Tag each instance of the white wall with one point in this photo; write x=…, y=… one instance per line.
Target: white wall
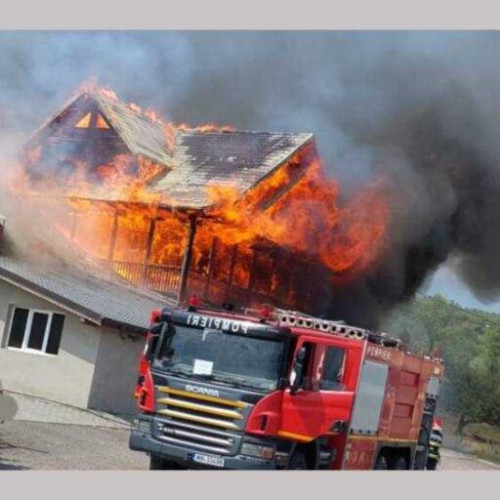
x=66, y=377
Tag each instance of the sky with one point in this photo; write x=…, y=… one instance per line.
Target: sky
x=447, y=283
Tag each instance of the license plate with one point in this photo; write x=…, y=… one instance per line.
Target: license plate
x=213, y=460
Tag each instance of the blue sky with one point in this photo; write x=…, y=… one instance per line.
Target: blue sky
x=445, y=282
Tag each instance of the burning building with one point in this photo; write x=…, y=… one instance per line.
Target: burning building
x=245, y=217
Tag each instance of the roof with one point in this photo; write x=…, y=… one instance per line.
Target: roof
x=238, y=159
x=99, y=301
x=141, y=135
x=230, y=158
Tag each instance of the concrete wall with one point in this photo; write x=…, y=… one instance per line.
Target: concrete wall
x=66, y=377
x=116, y=372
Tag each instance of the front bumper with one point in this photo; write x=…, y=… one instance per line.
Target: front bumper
x=144, y=441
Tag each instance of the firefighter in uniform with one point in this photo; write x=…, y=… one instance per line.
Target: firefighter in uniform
x=435, y=442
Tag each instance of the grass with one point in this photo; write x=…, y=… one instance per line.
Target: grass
x=483, y=440
x=479, y=439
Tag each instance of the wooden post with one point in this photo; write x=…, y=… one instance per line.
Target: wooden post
x=149, y=246
x=251, y=280
x=112, y=239
x=211, y=260
x=186, y=261
x=232, y=263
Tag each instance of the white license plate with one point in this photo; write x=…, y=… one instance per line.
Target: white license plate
x=208, y=460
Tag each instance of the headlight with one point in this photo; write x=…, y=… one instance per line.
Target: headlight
x=257, y=450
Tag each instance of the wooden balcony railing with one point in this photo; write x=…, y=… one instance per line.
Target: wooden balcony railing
x=159, y=278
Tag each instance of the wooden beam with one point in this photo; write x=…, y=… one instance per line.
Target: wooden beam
x=232, y=263
x=211, y=260
x=149, y=247
x=186, y=261
x=251, y=280
x=112, y=239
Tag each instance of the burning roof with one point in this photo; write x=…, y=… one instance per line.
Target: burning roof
x=241, y=159
x=186, y=159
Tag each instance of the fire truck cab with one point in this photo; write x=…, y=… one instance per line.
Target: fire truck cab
x=280, y=390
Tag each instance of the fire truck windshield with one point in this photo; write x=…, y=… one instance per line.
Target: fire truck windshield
x=209, y=354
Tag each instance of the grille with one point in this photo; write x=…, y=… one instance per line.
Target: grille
x=205, y=423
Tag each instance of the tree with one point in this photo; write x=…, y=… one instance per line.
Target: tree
x=470, y=344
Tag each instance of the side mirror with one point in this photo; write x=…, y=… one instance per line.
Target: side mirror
x=151, y=347
x=297, y=376
x=165, y=340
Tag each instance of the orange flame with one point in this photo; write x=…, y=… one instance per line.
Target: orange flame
x=296, y=207
x=308, y=219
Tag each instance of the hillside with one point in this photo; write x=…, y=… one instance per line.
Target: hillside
x=469, y=340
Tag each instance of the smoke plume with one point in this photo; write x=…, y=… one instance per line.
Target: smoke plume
x=418, y=111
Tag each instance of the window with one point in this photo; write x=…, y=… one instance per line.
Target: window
x=101, y=122
x=84, y=122
x=333, y=364
x=307, y=371
x=92, y=120
x=34, y=330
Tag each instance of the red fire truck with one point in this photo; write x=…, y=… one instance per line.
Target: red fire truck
x=280, y=390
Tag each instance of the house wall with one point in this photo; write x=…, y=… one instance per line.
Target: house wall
x=66, y=377
x=115, y=373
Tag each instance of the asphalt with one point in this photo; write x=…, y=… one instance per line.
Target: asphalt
x=48, y=436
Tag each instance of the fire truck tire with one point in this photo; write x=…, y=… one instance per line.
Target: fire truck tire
x=381, y=463
x=298, y=461
x=398, y=462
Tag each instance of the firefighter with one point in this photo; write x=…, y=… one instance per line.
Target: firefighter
x=435, y=442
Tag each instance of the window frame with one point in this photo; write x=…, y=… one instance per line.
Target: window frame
x=29, y=323
x=340, y=374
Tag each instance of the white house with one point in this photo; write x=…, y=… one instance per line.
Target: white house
x=71, y=337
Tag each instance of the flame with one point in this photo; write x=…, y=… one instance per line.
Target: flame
x=113, y=214
x=134, y=107
x=308, y=219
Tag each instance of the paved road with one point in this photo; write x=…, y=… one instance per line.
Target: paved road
x=45, y=446
x=49, y=436
x=452, y=460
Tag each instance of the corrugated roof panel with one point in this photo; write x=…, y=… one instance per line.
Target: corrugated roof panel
x=98, y=298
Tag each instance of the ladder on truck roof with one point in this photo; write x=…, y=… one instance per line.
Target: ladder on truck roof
x=298, y=319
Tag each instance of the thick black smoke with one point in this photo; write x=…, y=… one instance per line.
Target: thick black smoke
x=421, y=110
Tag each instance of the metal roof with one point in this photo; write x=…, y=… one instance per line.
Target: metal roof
x=97, y=300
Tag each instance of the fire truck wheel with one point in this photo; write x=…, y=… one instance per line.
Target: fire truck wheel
x=398, y=463
x=298, y=461
x=381, y=463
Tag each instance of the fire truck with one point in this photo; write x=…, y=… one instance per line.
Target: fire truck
x=276, y=389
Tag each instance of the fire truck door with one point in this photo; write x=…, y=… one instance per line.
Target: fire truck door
x=323, y=404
